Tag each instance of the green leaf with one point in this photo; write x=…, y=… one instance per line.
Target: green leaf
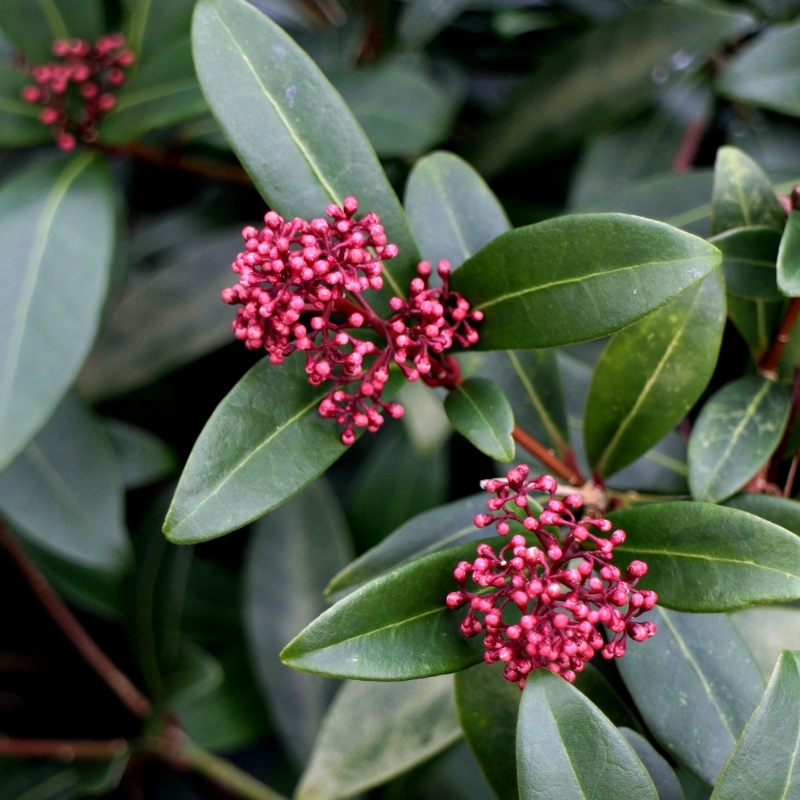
x=33, y=25
x=693, y=788
x=703, y=557
x=437, y=529
x=451, y=210
x=153, y=25
x=742, y=194
x=755, y=320
x=211, y=616
x=601, y=79
x=531, y=281
x=488, y=706
x=764, y=762
x=421, y=20
x=765, y=71
x=479, y=411
x=64, y=492
x=780, y=510
x=734, y=435
x=789, y=257
x=768, y=630
x=599, y=690
x=651, y=374
x=51, y=780
x=748, y=261
x=143, y=458
x=695, y=683
x=263, y=88
x=19, y=121
x=376, y=731
x=396, y=627
x=292, y=554
x=561, y=740
x=57, y=225
x=667, y=785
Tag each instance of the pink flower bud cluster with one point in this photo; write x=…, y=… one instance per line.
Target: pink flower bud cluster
x=301, y=287
x=557, y=593
x=95, y=71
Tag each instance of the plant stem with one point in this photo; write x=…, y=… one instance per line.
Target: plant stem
x=114, y=677
x=769, y=362
x=780, y=452
x=547, y=457
x=63, y=749
x=689, y=146
x=787, y=487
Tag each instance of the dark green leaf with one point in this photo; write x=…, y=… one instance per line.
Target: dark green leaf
x=64, y=492
x=651, y=374
x=765, y=71
x=376, y=731
x=764, y=762
x=749, y=256
x=292, y=555
x=703, y=557
x=693, y=788
x=667, y=785
x=531, y=282
x=737, y=431
x=789, y=257
x=51, y=780
x=488, y=706
x=57, y=225
x=455, y=774
x=263, y=88
x=143, y=458
x=479, y=411
x=19, y=121
x=395, y=627
x=561, y=740
x=768, y=630
x=422, y=20
x=424, y=420
x=742, y=194
x=211, y=614
x=153, y=25
x=33, y=25
x=780, y=510
x=695, y=683
x=756, y=320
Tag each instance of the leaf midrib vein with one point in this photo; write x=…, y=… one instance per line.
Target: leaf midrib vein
x=156, y=93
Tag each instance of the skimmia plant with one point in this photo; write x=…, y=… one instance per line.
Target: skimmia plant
x=598, y=608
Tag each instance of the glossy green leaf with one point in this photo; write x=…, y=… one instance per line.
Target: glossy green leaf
x=376, y=731
x=292, y=554
x=601, y=79
x=451, y=210
x=651, y=374
x=667, y=785
x=64, y=492
x=488, y=706
x=764, y=763
x=789, y=257
x=768, y=630
x=33, y=25
x=780, y=510
x=262, y=87
x=599, y=690
x=479, y=411
x=756, y=321
x=561, y=740
x=143, y=458
x=629, y=267
x=57, y=225
x=766, y=71
x=704, y=557
x=445, y=526
x=749, y=256
x=695, y=683
x=734, y=435
x=742, y=194
x=395, y=627
x=154, y=25
x=19, y=121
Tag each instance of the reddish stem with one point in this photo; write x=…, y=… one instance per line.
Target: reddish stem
x=689, y=146
x=113, y=676
x=769, y=362
x=777, y=458
x=547, y=457
x=63, y=749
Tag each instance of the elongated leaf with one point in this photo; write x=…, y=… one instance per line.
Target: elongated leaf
x=599, y=690
x=52, y=780
x=768, y=630
x=780, y=510
x=396, y=627
x=143, y=458
x=479, y=411
x=561, y=739
x=764, y=763
x=736, y=432
x=57, y=227
x=293, y=553
x=765, y=71
x=742, y=194
x=262, y=87
x=695, y=683
x=789, y=257
x=424, y=419
x=530, y=282
x=749, y=256
x=601, y=79
x=756, y=321
x=33, y=25
x=667, y=785
x=19, y=121
x=451, y=210
x=693, y=788
x=64, y=492
x=375, y=731
x=651, y=374
x=153, y=25
x=703, y=557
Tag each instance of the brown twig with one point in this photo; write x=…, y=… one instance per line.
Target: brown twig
x=689, y=146
x=787, y=487
x=63, y=749
x=113, y=676
x=769, y=362
x=547, y=457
